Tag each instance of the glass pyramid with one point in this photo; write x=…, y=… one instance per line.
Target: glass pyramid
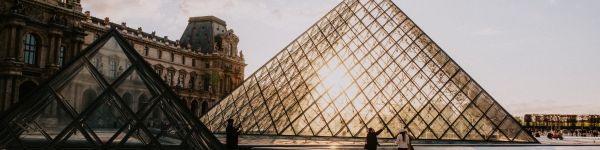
x=365, y=64
x=107, y=98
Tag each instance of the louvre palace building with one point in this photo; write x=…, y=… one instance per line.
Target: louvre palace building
x=38, y=37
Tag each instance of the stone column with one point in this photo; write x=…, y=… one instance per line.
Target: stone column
x=11, y=67
x=53, y=48
x=14, y=40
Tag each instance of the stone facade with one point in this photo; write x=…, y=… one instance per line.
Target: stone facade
x=37, y=37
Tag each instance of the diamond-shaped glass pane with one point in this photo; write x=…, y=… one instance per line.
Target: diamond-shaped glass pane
x=134, y=92
x=106, y=119
x=161, y=126
x=110, y=60
x=51, y=121
x=82, y=90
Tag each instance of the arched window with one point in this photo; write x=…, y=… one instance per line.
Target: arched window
x=195, y=107
x=61, y=56
x=146, y=50
x=180, y=82
x=97, y=61
x=170, y=77
x=31, y=46
x=206, y=82
x=192, y=83
x=204, y=108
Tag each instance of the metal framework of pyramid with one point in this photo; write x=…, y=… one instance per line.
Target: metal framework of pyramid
x=108, y=97
x=366, y=64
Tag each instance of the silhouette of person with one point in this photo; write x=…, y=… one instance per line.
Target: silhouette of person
x=232, y=134
x=372, y=139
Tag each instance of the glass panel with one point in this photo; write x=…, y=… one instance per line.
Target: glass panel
x=417, y=126
x=110, y=60
x=51, y=121
x=32, y=135
x=76, y=137
x=496, y=114
x=427, y=134
x=450, y=135
x=161, y=127
x=461, y=126
x=438, y=126
x=498, y=136
x=472, y=114
x=134, y=92
x=407, y=113
x=428, y=113
x=473, y=135
x=485, y=127
x=472, y=90
x=137, y=137
x=510, y=128
x=82, y=90
x=106, y=119
x=483, y=101
x=523, y=137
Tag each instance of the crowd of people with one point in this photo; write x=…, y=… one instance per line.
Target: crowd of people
x=559, y=134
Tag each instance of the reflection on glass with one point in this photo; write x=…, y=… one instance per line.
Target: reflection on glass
x=82, y=90
x=110, y=60
x=48, y=124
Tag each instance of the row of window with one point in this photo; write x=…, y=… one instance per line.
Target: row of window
x=183, y=58
x=31, y=45
x=169, y=78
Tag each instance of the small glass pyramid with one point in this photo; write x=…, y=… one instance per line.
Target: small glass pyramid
x=366, y=64
x=108, y=97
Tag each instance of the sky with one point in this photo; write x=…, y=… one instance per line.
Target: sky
x=534, y=56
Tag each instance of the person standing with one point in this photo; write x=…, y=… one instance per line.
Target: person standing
x=403, y=140
x=232, y=135
x=372, y=139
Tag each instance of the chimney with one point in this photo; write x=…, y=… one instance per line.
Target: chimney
x=106, y=21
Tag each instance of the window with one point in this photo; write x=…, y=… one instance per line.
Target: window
x=183, y=59
x=159, y=71
x=207, y=65
x=61, y=56
x=146, y=50
x=193, y=62
x=170, y=76
x=172, y=57
x=31, y=45
x=180, y=79
x=230, y=50
x=113, y=66
x=159, y=54
x=97, y=61
x=206, y=82
x=192, y=83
